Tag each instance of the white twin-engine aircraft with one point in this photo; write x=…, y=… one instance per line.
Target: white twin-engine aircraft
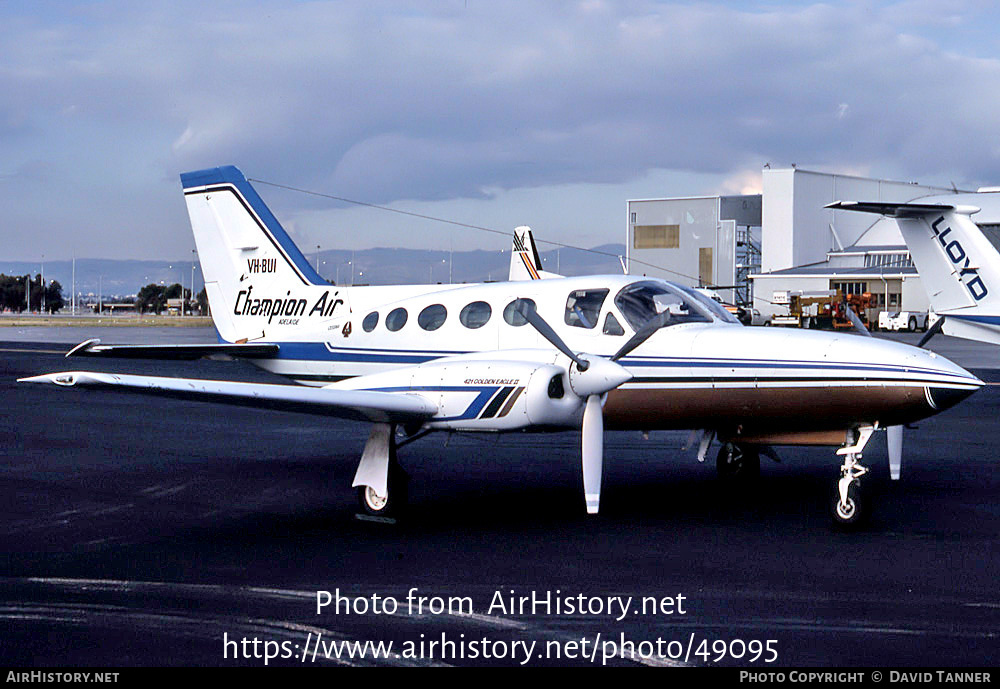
x=605, y=351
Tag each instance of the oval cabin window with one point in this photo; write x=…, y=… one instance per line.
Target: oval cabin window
x=433, y=317
x=396, y=319
x=475, y=315
x=512, y=316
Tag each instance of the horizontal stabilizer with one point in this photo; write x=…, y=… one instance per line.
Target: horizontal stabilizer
x=350, y=404
x=893, y=210
x=171, y=352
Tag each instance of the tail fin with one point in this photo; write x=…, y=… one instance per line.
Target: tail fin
x=525, y=264
x=254, y=274
x=959, y=267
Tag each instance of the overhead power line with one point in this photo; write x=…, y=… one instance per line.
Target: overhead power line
x=461, y=224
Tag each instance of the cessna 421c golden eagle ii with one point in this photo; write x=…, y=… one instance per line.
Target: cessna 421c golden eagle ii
x=595, y=352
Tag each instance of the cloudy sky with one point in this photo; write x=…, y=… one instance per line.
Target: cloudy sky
x=544, y=113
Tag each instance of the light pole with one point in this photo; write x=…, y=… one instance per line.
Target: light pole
x=317, y=258
x=194, y=263
x=339, y=265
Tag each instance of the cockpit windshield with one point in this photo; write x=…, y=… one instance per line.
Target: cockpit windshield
x=641, y=301
x=717, y=309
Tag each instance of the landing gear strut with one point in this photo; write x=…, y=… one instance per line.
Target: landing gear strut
x=849, y=510
x=737, y=462
x=381, y=482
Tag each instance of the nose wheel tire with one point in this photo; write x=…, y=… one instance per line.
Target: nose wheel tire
x=736, y=463
x=851, y=513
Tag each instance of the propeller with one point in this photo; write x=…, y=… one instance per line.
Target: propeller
x=932, y=331
x=855, y=321
x=593, y=376
x=894, y=436
x=642, y=334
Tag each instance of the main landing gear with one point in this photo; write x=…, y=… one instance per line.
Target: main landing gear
x=381, y=482
x=849, y=509
x=737, y=462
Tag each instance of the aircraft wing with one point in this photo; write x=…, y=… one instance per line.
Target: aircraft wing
x=173, y=352
x=350, y=404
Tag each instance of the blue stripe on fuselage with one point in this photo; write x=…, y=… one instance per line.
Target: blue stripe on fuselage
x=315, y=351
x=986, y=320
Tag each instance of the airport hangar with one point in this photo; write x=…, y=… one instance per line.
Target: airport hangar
x=748, y=247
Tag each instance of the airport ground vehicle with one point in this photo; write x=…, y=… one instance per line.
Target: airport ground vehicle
x=911, y=321
x=821, y=310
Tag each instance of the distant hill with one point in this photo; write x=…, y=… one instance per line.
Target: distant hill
x=371, y=266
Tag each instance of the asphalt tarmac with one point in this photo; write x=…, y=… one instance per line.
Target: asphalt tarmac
x=147, y=532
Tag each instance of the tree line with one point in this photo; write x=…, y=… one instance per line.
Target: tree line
x=151, y=298
x=13, y=289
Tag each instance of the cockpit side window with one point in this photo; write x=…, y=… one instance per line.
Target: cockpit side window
x=583, y=307
x=641, y=301
x=612, y=326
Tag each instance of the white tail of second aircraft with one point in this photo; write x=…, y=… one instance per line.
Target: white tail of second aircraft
x=259, y=285
x=959, y=267
x=525, y=263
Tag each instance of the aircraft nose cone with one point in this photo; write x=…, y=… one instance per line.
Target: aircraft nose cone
x=946, y=398
x=950, y=382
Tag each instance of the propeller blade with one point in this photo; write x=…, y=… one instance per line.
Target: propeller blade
x=527, y=309
x=932, y=331
x=894, y=435
x=855, y=321
x=643, y=334
x=593, y=452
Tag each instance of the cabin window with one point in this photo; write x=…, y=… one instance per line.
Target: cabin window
x=583, y=307
x=370, y=321
x=512, y=316
x=475, y=315
x=396, y=319
x=612, y=326
x=433, y=317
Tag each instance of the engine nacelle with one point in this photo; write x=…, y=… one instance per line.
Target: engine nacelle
x=497, y=395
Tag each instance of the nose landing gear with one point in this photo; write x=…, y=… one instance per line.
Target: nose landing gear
x=849, y=509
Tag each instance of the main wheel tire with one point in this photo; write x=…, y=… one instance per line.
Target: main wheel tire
x=851, y=514
x=390, y=505
x=736, y=463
